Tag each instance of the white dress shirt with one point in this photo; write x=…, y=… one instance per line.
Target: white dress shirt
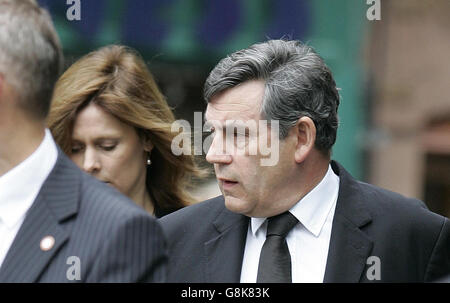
x=19, y=188
x=308, y=241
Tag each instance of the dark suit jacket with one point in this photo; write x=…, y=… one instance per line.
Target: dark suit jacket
x=115, y=240
x=207, y=241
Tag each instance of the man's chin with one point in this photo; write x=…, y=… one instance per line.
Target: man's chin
x=236, y=204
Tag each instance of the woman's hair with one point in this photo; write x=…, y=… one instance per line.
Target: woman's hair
x=117, y=79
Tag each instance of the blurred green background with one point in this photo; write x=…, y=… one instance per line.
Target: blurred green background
x=182, y=40
x=393, y=73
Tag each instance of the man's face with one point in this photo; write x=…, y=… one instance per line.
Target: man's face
x=248, y=187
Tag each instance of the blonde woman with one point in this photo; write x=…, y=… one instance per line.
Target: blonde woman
x=109, y=116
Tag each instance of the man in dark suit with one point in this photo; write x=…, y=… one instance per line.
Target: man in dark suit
x=57, y=224
x=298, y=216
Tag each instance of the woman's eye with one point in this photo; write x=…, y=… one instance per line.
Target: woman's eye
x=75, y=149
x=108, y=147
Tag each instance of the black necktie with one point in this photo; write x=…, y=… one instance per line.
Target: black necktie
x=275, y=260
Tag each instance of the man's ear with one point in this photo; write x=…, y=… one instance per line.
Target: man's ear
x=305, y=132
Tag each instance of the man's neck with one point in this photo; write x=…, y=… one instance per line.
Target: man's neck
x=309, y=174
x=312, y=173
x=317, y=174
x=19, y=138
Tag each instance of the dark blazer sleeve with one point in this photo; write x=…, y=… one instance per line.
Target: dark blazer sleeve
x=439, y=264
x=133, y=252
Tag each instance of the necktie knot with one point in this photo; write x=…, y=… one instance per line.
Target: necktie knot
x=281, y=224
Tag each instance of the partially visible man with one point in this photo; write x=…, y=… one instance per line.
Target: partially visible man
x=304, y=219
x=57, y=224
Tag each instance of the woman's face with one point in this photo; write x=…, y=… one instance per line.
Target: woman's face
x=109, y=150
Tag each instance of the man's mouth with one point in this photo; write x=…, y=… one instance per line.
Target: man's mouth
x=227, y=183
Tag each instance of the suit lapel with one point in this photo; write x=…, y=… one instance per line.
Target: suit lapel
x=25, y=259
x=225, y=252
x=56, y=201
x=349, y=245
x=348, y=252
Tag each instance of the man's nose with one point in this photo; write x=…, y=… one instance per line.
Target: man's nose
x=217, y=154
x=91, y=163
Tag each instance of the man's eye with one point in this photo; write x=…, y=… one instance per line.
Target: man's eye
x=212, y=131
x=244, y=133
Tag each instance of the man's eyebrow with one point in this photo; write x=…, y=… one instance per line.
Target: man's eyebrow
x=233, y=123
x=238, y=123
x=209, y=122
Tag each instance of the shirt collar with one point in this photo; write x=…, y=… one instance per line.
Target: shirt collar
x=20, y=186
x=256, y=223
x=313, y=209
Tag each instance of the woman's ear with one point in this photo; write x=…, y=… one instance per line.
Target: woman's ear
x=305, y=131
x=146, y=142
x=148, y=145
x=2, y=83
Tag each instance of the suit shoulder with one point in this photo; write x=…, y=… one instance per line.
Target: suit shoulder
x=388, y=203
x=194, y=214
x=104, y=201
x=194, y=211
x=382, y=194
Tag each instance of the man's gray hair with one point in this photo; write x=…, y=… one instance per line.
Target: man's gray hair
x=297, y=84
x=30, y=54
